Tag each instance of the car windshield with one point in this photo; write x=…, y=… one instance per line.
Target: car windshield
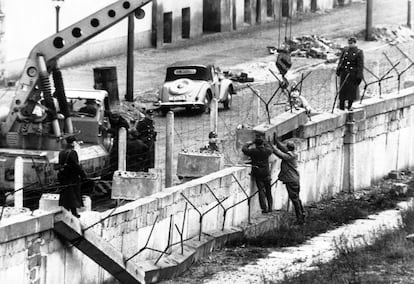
x=189, y=72
x=82, y=105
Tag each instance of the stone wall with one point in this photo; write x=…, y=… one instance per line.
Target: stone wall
x=30, y=252
x=349, y=150
x=343, y=151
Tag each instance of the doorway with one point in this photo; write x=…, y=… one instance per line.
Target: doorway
x=269, y=8
x=168, y=27
x=258, y=11
x=299, y=5
x=247, y=12
x=234, y=14
x=211, y=16
x=314, y=5
x=285, y=8
x=185, y=22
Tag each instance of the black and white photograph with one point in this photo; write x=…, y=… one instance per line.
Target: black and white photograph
x=206, y=141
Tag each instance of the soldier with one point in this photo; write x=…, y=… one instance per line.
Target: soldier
x=350, y=70
x=70, y=176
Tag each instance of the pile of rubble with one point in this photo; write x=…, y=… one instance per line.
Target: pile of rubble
x=312, y=46
x=390, y=35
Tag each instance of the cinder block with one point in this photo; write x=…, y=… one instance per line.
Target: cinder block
x=356, y=115
x=134, y=185
x=196, y=164
x=283, y=124
x=50, y=202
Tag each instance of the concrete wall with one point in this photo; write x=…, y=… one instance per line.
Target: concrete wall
x=350, y=151
x=337, y=152
x=30, y=250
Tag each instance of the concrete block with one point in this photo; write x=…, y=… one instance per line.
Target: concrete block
x=322, y=123
x=50, y=202
x=134, y=185
x=282, y=124
x=196, y=164
x=357, y=115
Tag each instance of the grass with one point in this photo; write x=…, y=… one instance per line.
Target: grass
x=390, y=259
x=329, y=214
x=323, y=216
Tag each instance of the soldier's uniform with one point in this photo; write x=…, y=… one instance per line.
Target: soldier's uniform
x=350, y=70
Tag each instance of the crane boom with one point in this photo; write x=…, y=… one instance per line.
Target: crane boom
x=45, y=54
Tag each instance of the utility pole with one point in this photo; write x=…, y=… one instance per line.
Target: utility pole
x=409, y=14
x=129, y=96
x=368, y=29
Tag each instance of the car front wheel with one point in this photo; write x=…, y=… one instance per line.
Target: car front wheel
x=206, y=107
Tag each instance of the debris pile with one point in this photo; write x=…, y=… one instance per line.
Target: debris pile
x=390, y=35
x=312, y=46
x=238, y=77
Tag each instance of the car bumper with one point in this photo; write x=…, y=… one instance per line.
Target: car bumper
x=179, y=104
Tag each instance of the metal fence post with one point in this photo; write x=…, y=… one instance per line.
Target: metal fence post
x=122, y=145
x=18, y=182
x=214, y=115
x=169, y=149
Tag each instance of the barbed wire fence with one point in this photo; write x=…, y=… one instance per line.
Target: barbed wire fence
x=318, y=89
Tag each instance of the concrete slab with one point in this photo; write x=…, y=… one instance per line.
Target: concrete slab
x=50, y=202
x=134, y=185
x=199, y=164
x=283, y=124
x=99, y=250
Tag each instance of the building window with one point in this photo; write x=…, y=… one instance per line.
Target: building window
x=185, y=22
x=168, y=27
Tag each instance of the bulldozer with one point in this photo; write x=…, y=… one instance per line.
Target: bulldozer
x=40, y=117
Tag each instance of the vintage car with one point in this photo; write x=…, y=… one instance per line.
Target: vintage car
x=194, y=86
